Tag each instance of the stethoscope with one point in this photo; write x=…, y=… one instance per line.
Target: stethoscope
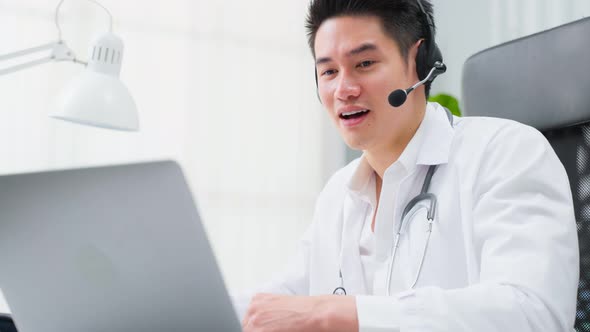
x=423, y=197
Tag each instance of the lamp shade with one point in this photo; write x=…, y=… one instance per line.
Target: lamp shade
x=97, y=97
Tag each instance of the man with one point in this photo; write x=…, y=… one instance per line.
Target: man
x=501, y=252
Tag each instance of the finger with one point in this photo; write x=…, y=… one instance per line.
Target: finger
x=247, y=316
x=252, y=308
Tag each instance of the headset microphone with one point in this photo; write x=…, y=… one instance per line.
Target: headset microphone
x=399, y=96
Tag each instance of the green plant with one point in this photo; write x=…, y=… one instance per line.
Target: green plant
x=447, y=101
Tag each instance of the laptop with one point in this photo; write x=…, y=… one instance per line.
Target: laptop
x=117, y=248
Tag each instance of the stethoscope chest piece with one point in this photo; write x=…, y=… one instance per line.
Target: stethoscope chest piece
x=339, y=291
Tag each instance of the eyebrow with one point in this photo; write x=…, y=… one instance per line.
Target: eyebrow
x=363, y=48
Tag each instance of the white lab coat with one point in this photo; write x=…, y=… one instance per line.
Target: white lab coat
x=503, y=254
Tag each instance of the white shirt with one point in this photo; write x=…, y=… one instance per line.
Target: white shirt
x=363, y=185
x=503, y=254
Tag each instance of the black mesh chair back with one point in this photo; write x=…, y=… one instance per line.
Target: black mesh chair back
x=543, y=80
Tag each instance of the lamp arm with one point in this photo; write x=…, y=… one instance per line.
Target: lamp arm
x=12, y=55
x=59, y=51
x=56, y=16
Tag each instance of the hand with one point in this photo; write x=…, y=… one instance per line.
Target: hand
x=285, y=313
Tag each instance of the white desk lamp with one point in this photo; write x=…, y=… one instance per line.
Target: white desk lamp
x=96, y=97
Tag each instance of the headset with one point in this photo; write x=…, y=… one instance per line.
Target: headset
x=428, y=52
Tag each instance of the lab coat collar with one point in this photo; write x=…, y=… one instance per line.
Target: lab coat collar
x=438, y=136
x=430, y=145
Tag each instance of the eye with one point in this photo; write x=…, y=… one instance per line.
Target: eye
x=366, y=63
x=328, y=72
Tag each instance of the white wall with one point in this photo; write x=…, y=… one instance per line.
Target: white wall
x=465, y=27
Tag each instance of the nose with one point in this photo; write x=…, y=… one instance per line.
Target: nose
x=347, y=88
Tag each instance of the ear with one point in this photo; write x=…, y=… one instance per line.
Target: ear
x=415, y=56
x=420, y=53
x=414, y=49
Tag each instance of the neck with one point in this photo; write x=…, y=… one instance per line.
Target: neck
x=381, y=157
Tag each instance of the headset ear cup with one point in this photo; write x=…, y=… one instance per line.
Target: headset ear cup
x=422, y=61
x=437, y=56
x=317, y=87
x=317, y=93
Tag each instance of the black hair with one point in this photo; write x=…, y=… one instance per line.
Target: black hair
x=402, y=20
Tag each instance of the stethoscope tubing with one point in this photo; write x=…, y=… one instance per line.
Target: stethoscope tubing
x=431, y=213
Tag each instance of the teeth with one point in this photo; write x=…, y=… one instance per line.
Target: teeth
x=353, y=113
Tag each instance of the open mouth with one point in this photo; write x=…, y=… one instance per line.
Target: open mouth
x=354, y=115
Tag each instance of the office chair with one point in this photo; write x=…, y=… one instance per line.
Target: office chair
x=543, y=80
x=6, y=323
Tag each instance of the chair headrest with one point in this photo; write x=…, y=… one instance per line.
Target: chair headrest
x=542, y=80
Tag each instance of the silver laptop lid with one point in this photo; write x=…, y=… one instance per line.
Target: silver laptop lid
x=118, y=248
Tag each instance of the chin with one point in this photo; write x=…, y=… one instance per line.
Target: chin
x=355, y=143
